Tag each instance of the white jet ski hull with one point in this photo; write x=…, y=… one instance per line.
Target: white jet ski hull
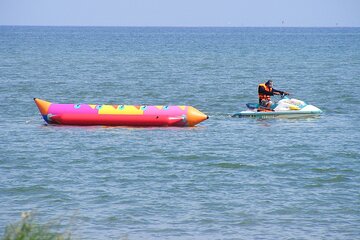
x=307, y=111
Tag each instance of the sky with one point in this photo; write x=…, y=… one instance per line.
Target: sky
x=192, y=13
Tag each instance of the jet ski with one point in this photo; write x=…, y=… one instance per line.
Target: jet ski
x=284, y=108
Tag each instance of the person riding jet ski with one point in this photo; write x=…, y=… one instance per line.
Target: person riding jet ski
x=265, y=91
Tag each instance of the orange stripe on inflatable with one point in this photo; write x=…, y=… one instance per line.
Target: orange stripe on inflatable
x=42, y=105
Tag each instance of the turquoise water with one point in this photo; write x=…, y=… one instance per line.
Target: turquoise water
x=228, y=178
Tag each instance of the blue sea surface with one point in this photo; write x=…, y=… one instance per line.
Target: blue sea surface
x=227, y=178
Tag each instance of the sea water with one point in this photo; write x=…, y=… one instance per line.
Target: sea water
x=227, y=178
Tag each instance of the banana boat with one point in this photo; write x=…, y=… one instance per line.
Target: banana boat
x=119, y=115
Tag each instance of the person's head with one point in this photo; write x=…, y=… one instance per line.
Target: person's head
x=269, y=83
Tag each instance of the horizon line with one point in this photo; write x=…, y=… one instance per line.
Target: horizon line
x=178, y=26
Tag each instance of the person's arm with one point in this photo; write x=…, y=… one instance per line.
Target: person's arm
x=263, y=91
x=278, y=92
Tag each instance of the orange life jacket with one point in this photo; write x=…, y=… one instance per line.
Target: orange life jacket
x=265, y=96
